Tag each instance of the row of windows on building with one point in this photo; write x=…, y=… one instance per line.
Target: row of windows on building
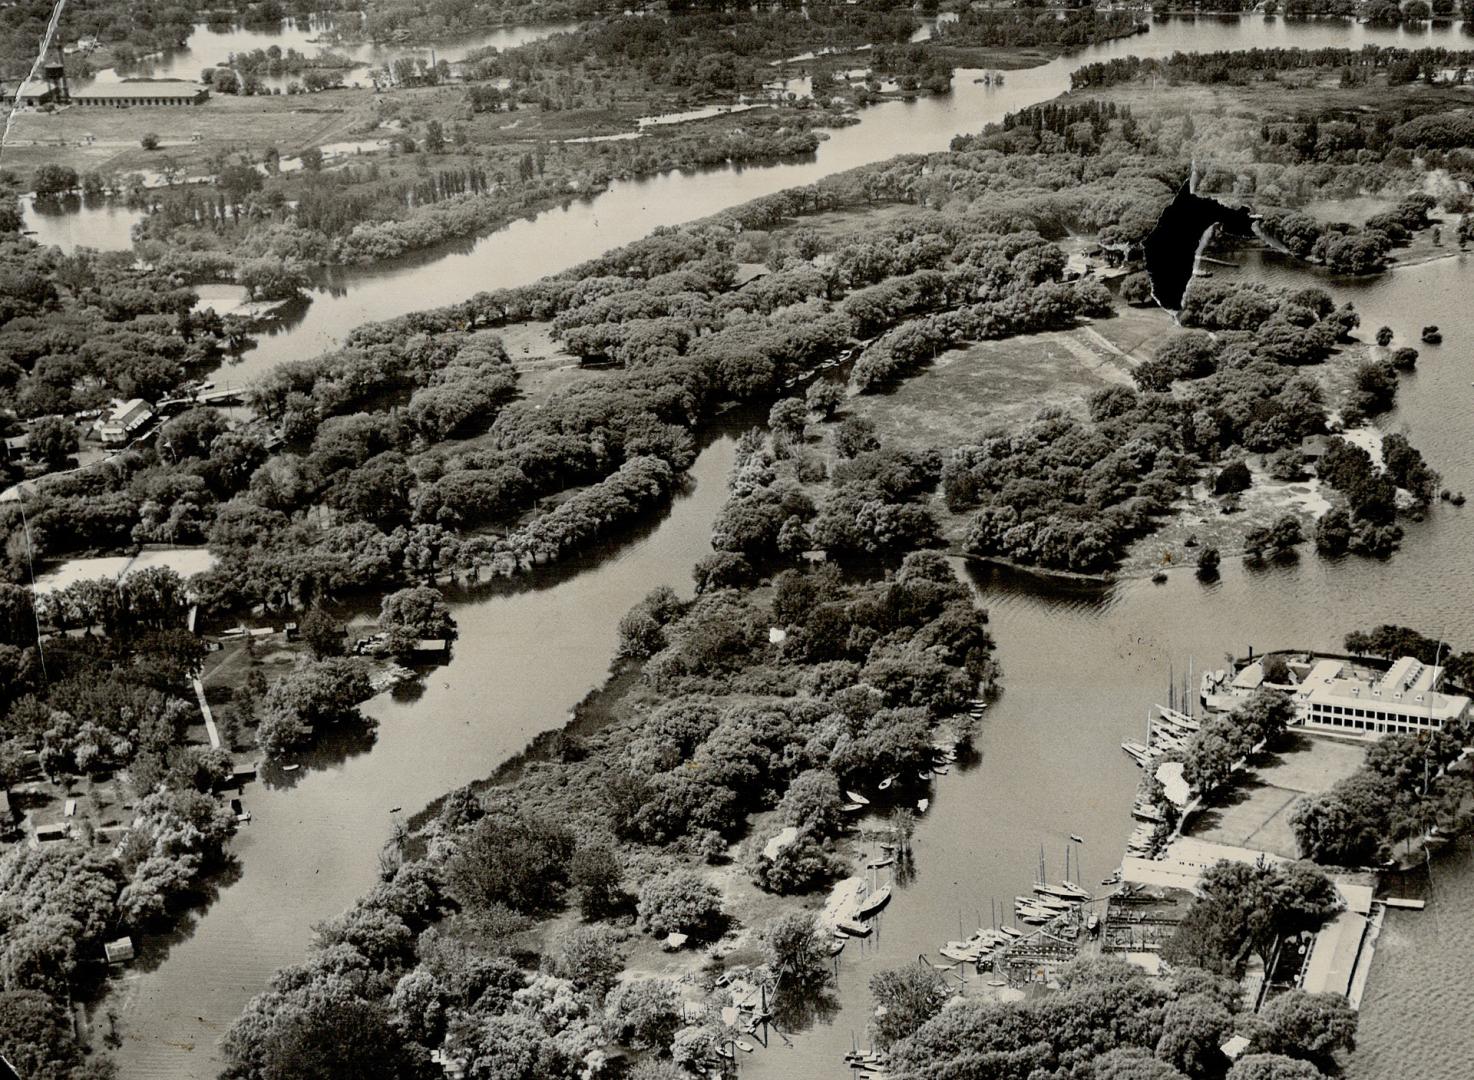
x=1368, y=719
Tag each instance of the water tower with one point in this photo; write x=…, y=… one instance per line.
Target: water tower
x=55, y=73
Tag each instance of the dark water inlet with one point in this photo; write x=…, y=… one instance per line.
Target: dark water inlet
x=1173, y=246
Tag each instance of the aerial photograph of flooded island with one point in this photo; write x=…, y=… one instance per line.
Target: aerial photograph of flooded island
x=850, y=539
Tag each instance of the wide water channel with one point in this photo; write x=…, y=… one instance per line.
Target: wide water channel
x=1081, y=664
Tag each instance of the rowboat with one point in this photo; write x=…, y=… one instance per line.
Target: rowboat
x=854, y=798
x=851, y=807
x=886, y=783
x=880, y=864
x=853, y=928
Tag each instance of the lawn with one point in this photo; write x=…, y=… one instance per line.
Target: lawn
x=1256, y=813
x=970, y=393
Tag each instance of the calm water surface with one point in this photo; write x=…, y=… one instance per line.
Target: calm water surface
x=1081, y=665
x=212, y=46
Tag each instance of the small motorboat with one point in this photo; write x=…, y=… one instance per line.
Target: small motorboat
x=290, y=768
x=745, y=1046
x=854, y=798
x=886, y=783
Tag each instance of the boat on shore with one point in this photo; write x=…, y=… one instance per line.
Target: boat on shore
x=853, y=927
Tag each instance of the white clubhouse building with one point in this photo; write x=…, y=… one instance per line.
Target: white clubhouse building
x=1336, y=696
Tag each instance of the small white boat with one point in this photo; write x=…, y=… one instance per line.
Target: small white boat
x=886, y=783
x=853, y=928
x=942, y=770
x=837, y=945
x=923, y=776
x=1009, y=931
x=745, y=1046
x=856, y=798
x=880, y=864
x=851, y=807
x=290, y=768
x=922, y=805
x=1076, y=838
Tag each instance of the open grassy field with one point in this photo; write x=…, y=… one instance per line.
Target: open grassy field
x=979, y=390
x=224, y=124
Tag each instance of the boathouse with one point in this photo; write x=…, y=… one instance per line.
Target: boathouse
x=125, y=421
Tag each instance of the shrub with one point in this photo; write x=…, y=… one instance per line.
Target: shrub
x=680, y=902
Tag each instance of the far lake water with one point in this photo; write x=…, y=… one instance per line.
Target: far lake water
x=211, y=46
x=1082, y=664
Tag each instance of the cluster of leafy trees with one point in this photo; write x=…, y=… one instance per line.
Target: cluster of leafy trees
x=96, y=703
x=1243, y=909
x=79, y=329
x=1404, y=791
x=1209, y=758
x=118, y=702
x=1109, y=1021
x=441, y=956
x=1367, y=523
x=1032, y=26
x=317, y=695
x=1241, y=65
x=697, y=55
x=1343, y=248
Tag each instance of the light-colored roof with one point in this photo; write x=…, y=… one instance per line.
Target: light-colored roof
x=1407, y=686
x=1333, y=955
x=128, y=409
x=1249, y=676
x=129, y=91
